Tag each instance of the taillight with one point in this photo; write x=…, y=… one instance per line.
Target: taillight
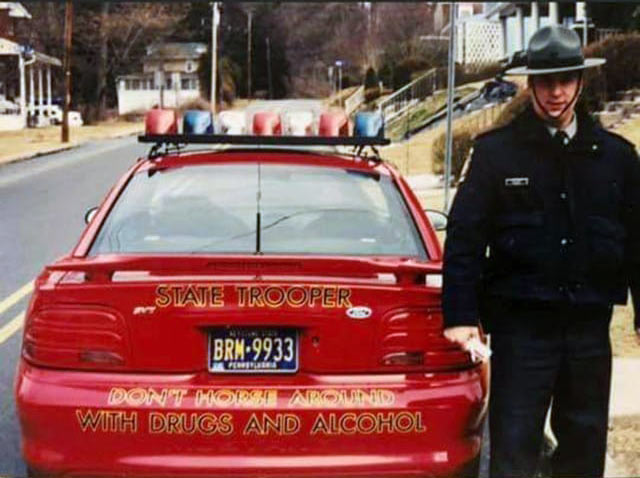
x=76, y=338
x=412, y=339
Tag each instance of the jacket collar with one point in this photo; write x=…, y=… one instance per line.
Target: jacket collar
x=533, y=130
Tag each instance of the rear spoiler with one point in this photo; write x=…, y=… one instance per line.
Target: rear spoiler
x=104, y=266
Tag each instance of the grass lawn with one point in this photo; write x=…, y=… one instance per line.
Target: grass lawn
x=39, y=140
x=414, y=156
x=396, y=129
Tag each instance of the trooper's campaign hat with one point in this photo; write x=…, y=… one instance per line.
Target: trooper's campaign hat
x=554, y=49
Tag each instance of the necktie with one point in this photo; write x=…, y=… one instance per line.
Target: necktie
x=561, y=139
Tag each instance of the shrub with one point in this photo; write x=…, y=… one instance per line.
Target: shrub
x=229, y=77
x=199, y=104
x=386, y=75
x=463, y=137
x=470, y=74
x=370, y=78
x=462, y=142
x=620, y=72
x=401, y=76
x=371, y=94
x=516, y=106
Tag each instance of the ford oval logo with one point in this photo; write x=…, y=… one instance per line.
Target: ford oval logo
x=360, y=312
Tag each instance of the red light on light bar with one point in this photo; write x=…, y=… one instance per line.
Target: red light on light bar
x=267, y=123
x=159, y=121
x=334, y=123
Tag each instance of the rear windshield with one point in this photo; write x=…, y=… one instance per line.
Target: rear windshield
x=298, y=209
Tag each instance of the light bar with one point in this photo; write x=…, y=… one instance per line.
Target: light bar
x=263, y=140
x=368, y=124
x=197, y=122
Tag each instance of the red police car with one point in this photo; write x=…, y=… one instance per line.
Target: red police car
x=249, y=311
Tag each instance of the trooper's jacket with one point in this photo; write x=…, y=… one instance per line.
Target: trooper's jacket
x=537, y=220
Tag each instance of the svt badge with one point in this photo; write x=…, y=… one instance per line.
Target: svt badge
x=516, y=182
x=359, y=312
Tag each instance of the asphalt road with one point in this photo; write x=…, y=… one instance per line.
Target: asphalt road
x=42, y=207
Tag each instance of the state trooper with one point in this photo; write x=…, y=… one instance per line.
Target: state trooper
x=543, y=237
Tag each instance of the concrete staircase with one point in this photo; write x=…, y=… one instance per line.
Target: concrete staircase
x=617, y=112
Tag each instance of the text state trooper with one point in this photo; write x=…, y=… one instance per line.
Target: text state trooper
x=543, y=238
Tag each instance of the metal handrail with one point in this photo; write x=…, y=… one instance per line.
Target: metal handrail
x=354, y=100
x=408, y=95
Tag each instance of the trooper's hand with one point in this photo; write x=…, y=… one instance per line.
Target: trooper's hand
x=462, y=334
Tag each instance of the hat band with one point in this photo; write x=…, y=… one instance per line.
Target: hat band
x=544, y=63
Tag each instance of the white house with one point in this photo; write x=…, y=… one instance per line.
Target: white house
x=487, y=32
x=169, y=78
x=18, y=100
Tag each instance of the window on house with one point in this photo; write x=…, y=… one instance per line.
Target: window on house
x=185, y=84
x=135, y=84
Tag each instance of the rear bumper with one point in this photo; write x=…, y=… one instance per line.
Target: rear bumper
x=101, y=424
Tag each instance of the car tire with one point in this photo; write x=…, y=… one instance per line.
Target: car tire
x=32, y=473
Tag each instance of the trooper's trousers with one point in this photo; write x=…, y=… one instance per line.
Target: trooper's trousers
x=543, y=352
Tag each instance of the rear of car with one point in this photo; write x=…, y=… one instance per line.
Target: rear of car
x=249, y=313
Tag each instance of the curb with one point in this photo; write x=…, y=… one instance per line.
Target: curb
x=58, y=149
x=23, y=157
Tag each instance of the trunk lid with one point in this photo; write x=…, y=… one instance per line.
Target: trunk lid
x=349, y=313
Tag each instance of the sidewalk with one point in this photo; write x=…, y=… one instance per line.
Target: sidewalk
x=623, y=450
x=32, y=142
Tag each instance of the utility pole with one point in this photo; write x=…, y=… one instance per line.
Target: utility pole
x=163, y=80
x=581, y=15
x=586, y=26
x=340, y=79
x=215, y=19
x=450, y=88
x=269, y=69
x=68, y=29
x=249, y=21
x=332, y=83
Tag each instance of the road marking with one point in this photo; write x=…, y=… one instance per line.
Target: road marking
x=16, y=297
x=11, y=328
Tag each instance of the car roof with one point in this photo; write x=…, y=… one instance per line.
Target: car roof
x=306, y=157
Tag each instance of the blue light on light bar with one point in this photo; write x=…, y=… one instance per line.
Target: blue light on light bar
x=197, y=122
x=368, y=124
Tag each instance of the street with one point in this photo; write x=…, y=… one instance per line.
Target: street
x=42, y=215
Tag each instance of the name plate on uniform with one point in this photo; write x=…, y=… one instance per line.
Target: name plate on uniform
x=516, y=182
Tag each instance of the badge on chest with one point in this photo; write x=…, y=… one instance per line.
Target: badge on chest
x=516, y=182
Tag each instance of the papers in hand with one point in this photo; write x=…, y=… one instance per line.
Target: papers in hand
x=479, y=351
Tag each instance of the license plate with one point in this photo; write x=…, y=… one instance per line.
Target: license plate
x=257, y=350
